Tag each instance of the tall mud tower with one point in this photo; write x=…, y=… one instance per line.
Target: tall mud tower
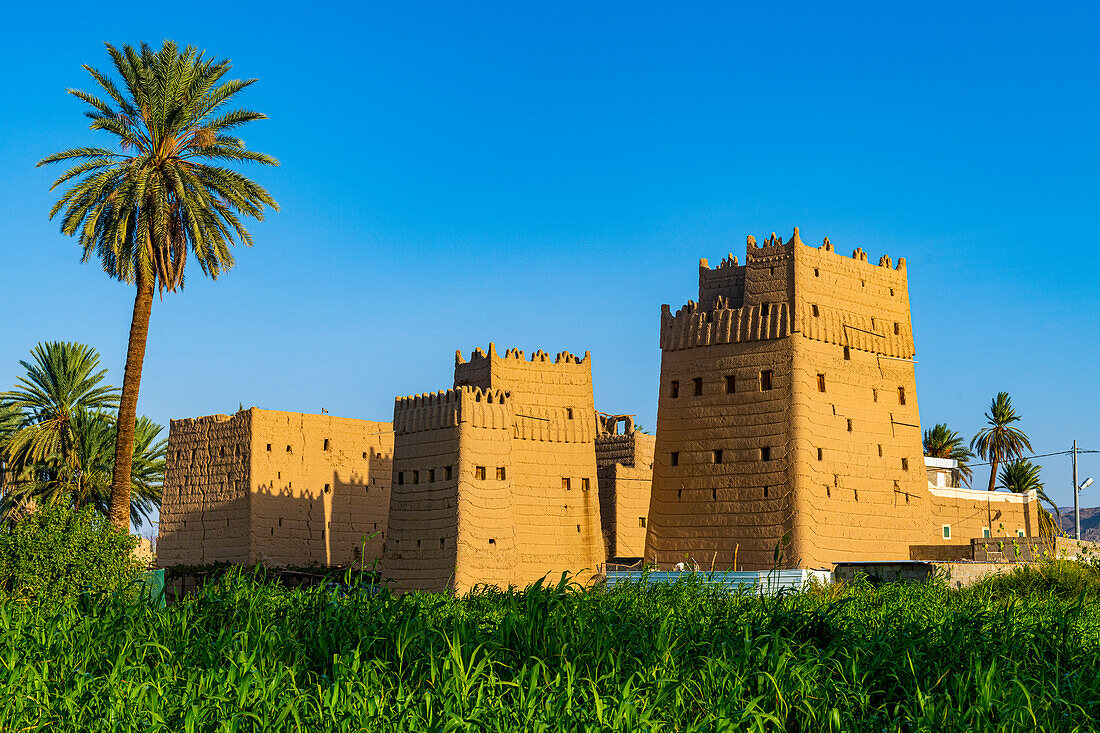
x=788, y=415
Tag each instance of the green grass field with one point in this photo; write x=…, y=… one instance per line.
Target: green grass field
x=1022, y=653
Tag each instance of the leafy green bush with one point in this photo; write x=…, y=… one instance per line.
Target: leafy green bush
x=1061, y=578
x=57, y=552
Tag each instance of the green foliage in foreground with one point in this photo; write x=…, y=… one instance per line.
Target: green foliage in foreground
x=248, y=656
x=57, y=552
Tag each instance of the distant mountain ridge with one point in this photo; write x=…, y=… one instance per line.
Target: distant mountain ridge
x=1090, y=522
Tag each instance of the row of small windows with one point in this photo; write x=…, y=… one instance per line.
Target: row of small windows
x=765, y=385
x=325, y=446
x=718, y=456
x=731, y=384
x=862, y=283
x=430, y=474
x=897, y=326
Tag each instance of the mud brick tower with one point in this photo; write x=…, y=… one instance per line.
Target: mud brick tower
x=494, y=481
x=788, y=408
x=278, y=488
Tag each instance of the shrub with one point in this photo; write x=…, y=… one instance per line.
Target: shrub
x=58, y=552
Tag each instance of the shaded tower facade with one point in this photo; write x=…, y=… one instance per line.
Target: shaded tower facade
x=495, y=480
x=787, y=415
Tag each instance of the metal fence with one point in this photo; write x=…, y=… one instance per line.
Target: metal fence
x=757, y=581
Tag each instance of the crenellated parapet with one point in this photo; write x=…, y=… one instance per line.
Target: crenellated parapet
x=693, y=326
x=479, y=357
x=448, y=408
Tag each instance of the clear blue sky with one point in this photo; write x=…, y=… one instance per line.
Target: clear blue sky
x=546, y=176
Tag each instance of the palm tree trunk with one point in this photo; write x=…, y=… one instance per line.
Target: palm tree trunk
x=127, y=404
x=993, y=461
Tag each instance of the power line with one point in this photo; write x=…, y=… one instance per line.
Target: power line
x=1040, y=455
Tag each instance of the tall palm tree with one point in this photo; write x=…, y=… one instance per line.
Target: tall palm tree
x=999, y=440
x=96, y=447
x=62, y=381
x=160, y=193
x=1020, y=475
x=942, y=442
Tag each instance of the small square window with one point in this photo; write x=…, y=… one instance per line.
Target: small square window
x=431, y=475
x=288, y=449
x=328, y=488
x=901, y=395
x=816, y=273
x=897, y=328
x=674, y=458
x=766, y=453
x=947, y=531
x=717, y=457
x=492, y=541
x=765, y=492
x=500, y=473
x=820, y=382
x=584, y=484
x=447, y=473
x=416, y=477
x=698, y=382
x=731, y=384
x=566, y=484
x=569, y=413
x=891, y=292
x=820, y=453
x=326, y=444
x=849, y=425
x=815, y=310
x=674, y=389
x=400, y=478
x=986, y=533
x=641, y=521
x=364, y=454
x=269, y=447
x=479, y=473
x=765, y=380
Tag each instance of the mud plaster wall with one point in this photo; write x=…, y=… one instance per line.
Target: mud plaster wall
x=420, y=549
x=205, y=509
x=262, y=487
x=624, y=465
x=868, y=492
x=322, y=490
x=851, y=503
x=533, y=508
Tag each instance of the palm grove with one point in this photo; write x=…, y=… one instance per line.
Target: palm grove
x=161, y=193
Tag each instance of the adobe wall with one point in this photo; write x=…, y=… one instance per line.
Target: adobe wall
x=523, y=500
x=279, y=488
x=322, y=487
x=624, y=467
x=420, y=551
x=859, y=463
x=205, y=509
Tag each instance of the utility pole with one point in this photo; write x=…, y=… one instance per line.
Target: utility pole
x=1076, y=503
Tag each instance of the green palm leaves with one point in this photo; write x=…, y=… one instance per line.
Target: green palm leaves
x=62, y=382
x=164, y=191
x=57, y=436
x=1000, y=440
x=1020, y=475
x=942, y=442
x=162, y=194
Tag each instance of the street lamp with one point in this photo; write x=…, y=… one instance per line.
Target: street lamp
x=1077, y=507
